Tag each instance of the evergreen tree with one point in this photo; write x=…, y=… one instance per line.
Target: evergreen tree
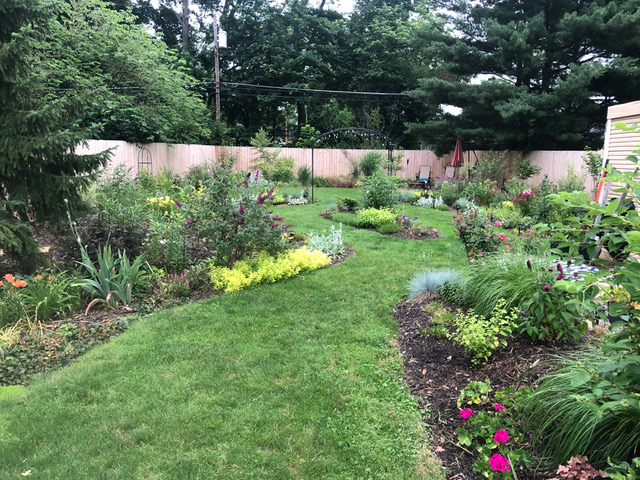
x=39, y=132
x=528, y=74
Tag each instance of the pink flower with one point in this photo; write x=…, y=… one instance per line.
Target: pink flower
x=559, y=267
x=466, y=413
x=499, y=406
x=177, y=203
x=503, y=238
x=498, y=223
x=473, y=260
x=546, y=287
x=560, y=276
x=499, y=463
x=501, y=436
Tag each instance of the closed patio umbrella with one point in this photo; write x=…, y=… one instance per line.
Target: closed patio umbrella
x=456, y=161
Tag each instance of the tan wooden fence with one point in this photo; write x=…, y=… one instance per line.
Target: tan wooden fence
x=327, y=162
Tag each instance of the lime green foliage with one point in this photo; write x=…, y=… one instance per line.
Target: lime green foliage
x=481, y=337
x=267, y=269
x=374, y=217
x=440, y=319
x=475, y=393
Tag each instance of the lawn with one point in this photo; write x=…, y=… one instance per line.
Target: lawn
x=298, y=379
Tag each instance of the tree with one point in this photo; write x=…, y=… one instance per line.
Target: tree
x=528, y=73
x=39, y=132
x=141, y=91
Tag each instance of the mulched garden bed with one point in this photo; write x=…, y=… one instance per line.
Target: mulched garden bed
x=436, y=370
x=411, y=233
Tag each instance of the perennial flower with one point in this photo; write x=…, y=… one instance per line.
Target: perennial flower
x=499, y=463
x=546, y=287
x=499, y=406
x=501, y=436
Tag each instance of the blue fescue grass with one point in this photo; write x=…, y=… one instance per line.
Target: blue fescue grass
x=430, y=281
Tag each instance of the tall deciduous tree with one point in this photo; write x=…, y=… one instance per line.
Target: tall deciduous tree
x=39, y=133
x=140, y=90
x=528, y=73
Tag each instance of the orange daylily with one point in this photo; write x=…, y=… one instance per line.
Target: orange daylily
x=9, y=278
x=19, y=283
x=38, y=277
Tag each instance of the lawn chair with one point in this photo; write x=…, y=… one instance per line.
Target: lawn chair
x=425, y=175
x=450, y=171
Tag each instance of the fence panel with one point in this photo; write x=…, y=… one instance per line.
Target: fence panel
x=327, y=162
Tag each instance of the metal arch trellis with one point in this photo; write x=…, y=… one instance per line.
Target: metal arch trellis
x=362, y=131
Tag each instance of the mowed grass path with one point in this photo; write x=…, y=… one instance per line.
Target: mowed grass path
x=296, y=380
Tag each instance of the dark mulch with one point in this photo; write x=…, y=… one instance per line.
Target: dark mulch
x=436, y=370
x=415, y=233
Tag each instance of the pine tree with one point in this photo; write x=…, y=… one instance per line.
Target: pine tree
x=39, y=133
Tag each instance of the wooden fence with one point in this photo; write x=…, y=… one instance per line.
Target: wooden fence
x=327, y=162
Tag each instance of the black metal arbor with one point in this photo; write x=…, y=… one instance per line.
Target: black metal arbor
x=361, y=131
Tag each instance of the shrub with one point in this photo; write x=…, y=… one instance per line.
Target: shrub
x=370, y=163
x=491, y=166
x=572, y=181
x=480, y=337
x=374, y=217
x=478, y=234
x=449, y=189
x=330, y=244
x=430, y=281
x=379, y=192
x=525, y=169
x=266, y=269
x=234, y=221
x=304, y=176
x=347, y=204
x=390, y=228
x=320, y=182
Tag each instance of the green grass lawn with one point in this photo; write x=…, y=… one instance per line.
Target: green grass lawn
x=292, y=380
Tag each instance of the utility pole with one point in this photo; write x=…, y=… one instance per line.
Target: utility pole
x=217, y=65
x=219, y=41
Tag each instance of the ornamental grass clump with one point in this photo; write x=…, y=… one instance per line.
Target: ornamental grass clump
x=266, y=269
x=430, y=281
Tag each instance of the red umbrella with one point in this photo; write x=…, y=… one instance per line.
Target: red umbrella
x=456, y=161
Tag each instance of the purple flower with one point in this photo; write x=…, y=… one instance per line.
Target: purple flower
x=241, y=209
x=414, y=219
x=559, y=267
x=560, y=276
x=575, y=274
x=546, y=287
x=189, y=222
x=276, y=219
x=523, y=313
x=177, y=203
x=286, y=226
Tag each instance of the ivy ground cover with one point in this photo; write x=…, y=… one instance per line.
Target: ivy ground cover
x=291, y=380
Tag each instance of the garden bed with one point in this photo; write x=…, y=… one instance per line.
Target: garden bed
x=436, y=370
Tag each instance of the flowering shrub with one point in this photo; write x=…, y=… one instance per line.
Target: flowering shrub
x=380, y=191
x=492, y=433
x=266, y=269
x=374, y=218
x=481, y=337
x=482, y=193
x=173, y=285
x=233, y=219
x=479, y=234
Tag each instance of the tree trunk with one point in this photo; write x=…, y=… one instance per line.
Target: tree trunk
x=185, y=25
